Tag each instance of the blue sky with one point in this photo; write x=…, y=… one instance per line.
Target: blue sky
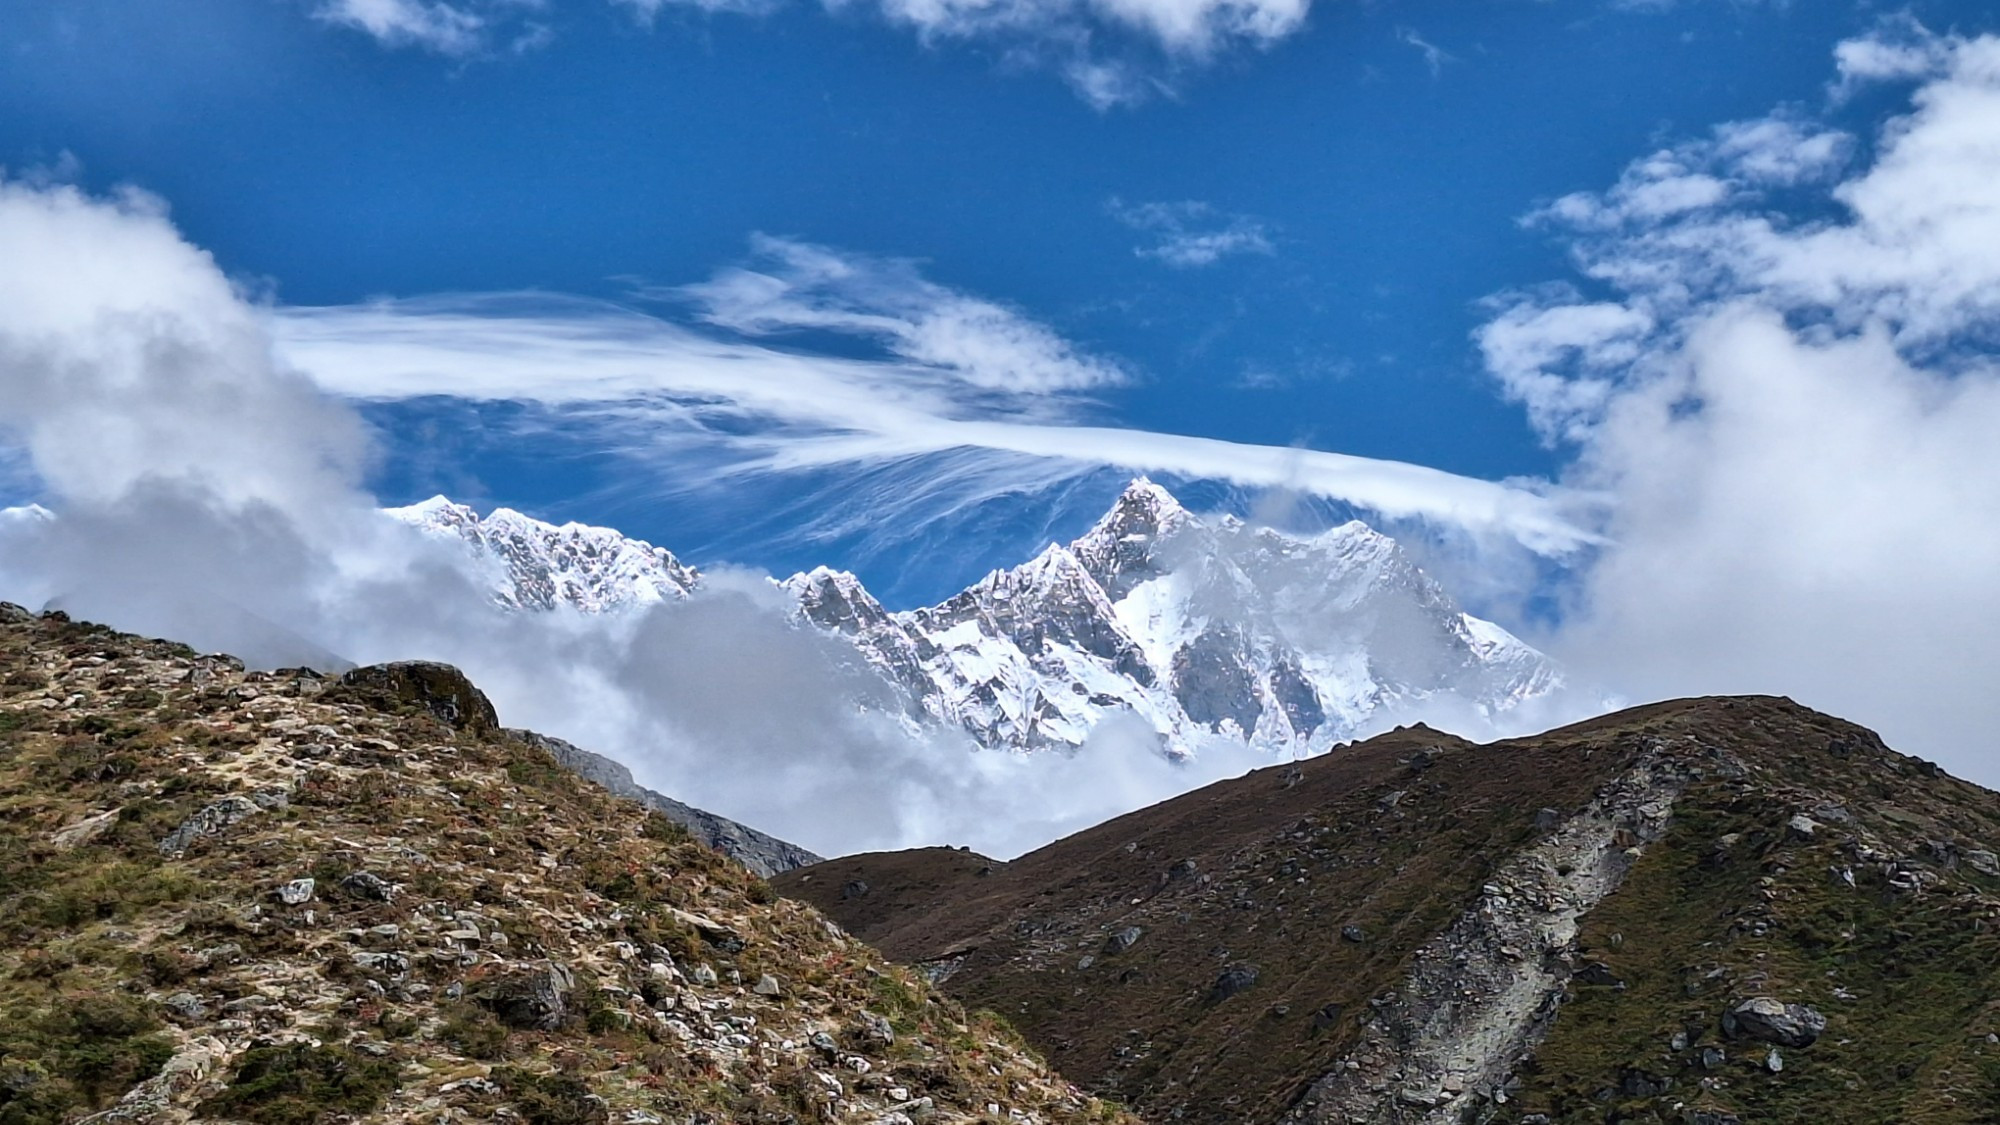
x=1360, y=179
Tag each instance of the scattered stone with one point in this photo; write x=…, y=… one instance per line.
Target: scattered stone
x=1183, y=870
x=296, y=893
x=1546, y=819
x=1233, y=981
x=1982, y=861
x=211, y=820
x=874, y=1030
x=185, y=1007
x=367, y=884
x=854, y=889
x=1596, y=972
x=1355, y=934
x=1122, y=940
x=536, y=998
x=1713, y=1057
x=83, y=831
x=1768, y=1020
x=1678, y=1042
x=767, y=985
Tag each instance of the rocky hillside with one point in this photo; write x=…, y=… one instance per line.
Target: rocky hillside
x=284, y=899
x=1707, y=911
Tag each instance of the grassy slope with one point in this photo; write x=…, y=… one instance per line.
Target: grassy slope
x=1695, y=928
x=301, y=1019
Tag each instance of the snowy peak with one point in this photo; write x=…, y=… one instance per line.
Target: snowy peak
x=543, y=566
x=1203, y=629
x=1119, y=551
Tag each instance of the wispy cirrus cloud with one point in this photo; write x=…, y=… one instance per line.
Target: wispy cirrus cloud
x=1191, y=233
x=1434, y=56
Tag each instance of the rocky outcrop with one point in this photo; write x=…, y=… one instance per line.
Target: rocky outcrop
x=439, y=690
x=760, y=852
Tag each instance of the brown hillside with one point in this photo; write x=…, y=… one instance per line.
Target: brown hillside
x=1418, y=929
x=286, y=900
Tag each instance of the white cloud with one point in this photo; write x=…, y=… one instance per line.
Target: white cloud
x=428, y=24
x=745, y=409
x=1111, y=52
x=1191, y=233
x=1793, y=416
x=804, y=287
x=1434, y=56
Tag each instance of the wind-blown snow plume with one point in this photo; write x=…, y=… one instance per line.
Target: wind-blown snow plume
x=1795, y=415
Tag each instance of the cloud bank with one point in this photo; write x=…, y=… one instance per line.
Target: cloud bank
x=1784, y=375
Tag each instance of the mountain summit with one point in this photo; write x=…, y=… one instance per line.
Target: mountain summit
x=1202, y=628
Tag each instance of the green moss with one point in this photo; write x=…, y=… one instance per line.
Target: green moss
x=301, y=1085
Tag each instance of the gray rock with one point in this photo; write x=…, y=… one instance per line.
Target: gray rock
x=533, y=998
x=185, y=1007
x=11, y=614
x=874, y=1030
x=1802, y=826
x=1713, y=1057
x=1774, y=1062
x=367, y=884
x=297, y=892
x=763, y=854
x=767, y=985
x=854, y=889
x=1122, y=940
x=1233, y=981
x=439, y=689
x=211, y=820
x=1546, y=819
x=1772, y=1021
x=1982, y=861
x=1355, y=934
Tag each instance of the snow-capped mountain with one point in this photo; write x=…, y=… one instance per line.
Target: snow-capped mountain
x=542, y=566
x=1203, y=629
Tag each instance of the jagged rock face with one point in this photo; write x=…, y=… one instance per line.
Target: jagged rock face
x=1203, y=629
x=269, y=897
x=764, y=854
x=575, y=566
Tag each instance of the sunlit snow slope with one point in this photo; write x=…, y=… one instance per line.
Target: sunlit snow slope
x=1204, y=629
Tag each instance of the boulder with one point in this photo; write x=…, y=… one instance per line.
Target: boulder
x=440, y=690
x=530, y=998
x=1772, y=1021
x=210, y=820
x=1122, y=940
x=1232, y=981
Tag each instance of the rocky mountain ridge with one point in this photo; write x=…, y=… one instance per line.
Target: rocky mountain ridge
x=1708, y=911
x=287, y=899
x=1202, y=629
